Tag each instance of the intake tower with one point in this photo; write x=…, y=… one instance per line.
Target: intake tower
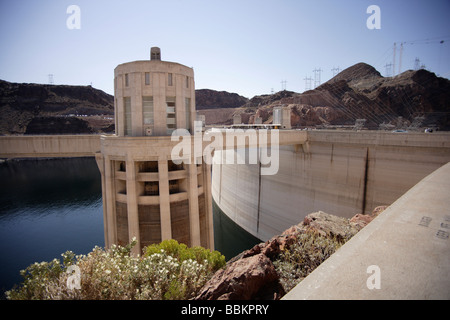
x=145, y=194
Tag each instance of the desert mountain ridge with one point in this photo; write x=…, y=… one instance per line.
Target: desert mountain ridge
x=360, y=92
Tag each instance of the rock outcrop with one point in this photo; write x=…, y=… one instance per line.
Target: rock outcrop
x=252, y=275
x=248, y=278
x=359, y=221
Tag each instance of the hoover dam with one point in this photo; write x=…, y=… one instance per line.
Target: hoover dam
x=338, y=172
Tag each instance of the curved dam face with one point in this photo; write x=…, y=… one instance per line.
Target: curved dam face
x=341, y=173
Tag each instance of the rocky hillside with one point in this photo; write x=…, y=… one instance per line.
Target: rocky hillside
x=212, y=99
x=271, y=269
x=52, y=108
x=360, y=92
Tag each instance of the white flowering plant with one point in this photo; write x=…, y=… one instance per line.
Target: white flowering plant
x=166, y=271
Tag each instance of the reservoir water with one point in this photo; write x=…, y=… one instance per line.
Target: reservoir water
x=49, y=206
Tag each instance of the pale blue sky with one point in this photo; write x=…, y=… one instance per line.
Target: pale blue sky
x=244, y=46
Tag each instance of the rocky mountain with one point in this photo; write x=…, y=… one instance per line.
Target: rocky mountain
x=360, y=92
x=52, y=108
x=212, y=99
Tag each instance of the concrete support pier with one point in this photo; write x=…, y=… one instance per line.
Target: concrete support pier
x=404, y=253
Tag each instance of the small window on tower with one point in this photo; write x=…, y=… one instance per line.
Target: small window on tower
x=147, y=78
x=170, y=83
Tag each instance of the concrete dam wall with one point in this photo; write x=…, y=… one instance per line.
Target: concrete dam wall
x=341, y=173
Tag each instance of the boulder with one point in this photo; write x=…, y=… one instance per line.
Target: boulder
x=252, y=277
x=360, y=220
x=329, y=225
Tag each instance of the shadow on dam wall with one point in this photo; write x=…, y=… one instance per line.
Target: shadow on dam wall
x=229, y=238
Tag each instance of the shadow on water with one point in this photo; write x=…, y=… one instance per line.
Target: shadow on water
x=229, y=238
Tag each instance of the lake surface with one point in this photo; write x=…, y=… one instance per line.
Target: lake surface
x=49, y=206
x=46, y=208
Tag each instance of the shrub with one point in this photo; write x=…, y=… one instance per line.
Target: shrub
x=167, y=271
x=308, y=252
x=213, y=259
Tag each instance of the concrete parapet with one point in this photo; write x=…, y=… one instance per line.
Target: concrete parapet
x=402, y=254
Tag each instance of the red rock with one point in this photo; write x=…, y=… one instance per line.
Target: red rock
x=247, y=278
x=361, y=220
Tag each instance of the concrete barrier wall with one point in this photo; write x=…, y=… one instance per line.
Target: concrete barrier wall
x=49, y=146
x=341, y=173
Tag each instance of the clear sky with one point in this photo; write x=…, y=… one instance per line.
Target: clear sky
x=243, y=46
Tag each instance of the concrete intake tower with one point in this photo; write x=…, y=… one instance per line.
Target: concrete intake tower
x=145, y=194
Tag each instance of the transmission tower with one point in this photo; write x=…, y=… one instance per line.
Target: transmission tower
x=417, y=64
x=283, y=85
x=335, y=70
x=388, y=67
x=50, y=78
x=308, y=81
x=317, y=77
x=400, y=59
x=393, y=60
